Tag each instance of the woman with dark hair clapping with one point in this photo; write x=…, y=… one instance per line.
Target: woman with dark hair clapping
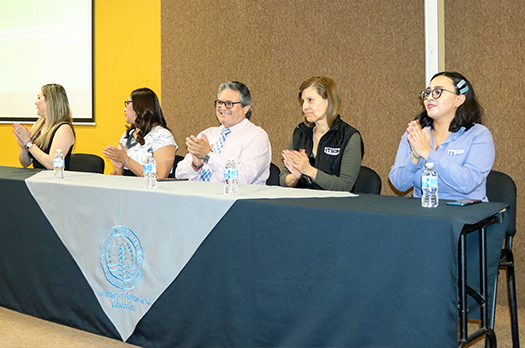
x=448, y=133
x=147, y=132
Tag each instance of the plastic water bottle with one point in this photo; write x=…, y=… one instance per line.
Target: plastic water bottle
x=58, y=165
x=150, y=171
x=429, y=187
x=231, y=174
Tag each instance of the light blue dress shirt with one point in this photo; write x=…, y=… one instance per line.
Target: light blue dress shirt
x=463, y=162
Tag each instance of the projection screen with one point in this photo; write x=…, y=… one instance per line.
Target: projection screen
x=45, y=42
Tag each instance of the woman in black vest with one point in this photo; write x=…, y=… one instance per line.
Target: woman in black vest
x=53, y=130
x=324, y=152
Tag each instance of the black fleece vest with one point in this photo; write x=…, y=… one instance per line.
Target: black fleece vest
x=330, y=150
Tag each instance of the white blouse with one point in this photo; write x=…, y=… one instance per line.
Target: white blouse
x=157, y=138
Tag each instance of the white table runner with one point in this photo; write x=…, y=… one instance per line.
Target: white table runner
x=131, y=242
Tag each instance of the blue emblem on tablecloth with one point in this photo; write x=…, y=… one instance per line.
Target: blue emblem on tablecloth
x=121, y=258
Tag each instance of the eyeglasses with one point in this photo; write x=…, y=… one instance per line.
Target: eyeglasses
x=227, y=104
x=436, y=93
x=127, y=102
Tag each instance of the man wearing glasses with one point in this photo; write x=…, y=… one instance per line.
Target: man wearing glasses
x=236, y=138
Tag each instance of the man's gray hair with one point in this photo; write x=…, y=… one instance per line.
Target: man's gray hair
x=245, y=97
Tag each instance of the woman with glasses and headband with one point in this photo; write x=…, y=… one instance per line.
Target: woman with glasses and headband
x=53, y=130
x=448, y=132
x=147, y=132
x=324, y=152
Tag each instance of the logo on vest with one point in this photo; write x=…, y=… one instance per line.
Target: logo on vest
x=451, y=152
x=121, y=258
x=332, y=151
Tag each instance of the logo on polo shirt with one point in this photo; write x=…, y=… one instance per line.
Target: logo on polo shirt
x=121, y=258
x=332, y=151
x=451, y=152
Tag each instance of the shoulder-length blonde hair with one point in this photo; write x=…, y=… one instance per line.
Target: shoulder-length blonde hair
x=327, y=89
x=58, y=112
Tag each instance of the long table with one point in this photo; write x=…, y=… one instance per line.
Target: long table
x=367, y=271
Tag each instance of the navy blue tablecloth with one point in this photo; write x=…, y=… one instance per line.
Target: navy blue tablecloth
x=371, y=271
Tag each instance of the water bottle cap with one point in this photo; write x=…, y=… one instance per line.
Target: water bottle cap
x=231, y=158
x=58, y=150
x=429, y=165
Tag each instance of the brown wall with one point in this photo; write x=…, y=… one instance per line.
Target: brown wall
x=373, y=49
x=484, y=40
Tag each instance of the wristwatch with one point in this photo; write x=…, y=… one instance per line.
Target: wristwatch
x=206, y=158
x=29, y=144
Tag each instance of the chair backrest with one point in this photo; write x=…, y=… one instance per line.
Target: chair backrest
x=501, y=188
x=178, y=158
x=86, y=162
x=368, y=181
x=273, y=179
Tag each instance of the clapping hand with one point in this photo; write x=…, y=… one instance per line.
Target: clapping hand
x=298, y=163
x=419, y=139
x=22, y=134
x=118, y=156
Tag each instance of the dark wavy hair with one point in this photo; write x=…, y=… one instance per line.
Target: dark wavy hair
x=468, y=113
x=147, y=107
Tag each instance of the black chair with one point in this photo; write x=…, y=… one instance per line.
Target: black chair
x=368, y=181
x=175, y=162
x=273, y=179
x=86, y=162
x=501, y=188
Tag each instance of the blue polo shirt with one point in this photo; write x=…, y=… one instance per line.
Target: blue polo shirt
x=463, y=162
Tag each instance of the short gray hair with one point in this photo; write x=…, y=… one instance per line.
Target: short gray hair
x=245, y=97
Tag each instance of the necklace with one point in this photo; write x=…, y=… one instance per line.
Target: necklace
x=436, y=145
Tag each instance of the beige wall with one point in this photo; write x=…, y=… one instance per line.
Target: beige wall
x=484, y=40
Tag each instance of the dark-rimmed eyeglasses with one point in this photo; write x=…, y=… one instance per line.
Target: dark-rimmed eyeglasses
x=227, y=104
x=127, y=102
x=436, y=93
